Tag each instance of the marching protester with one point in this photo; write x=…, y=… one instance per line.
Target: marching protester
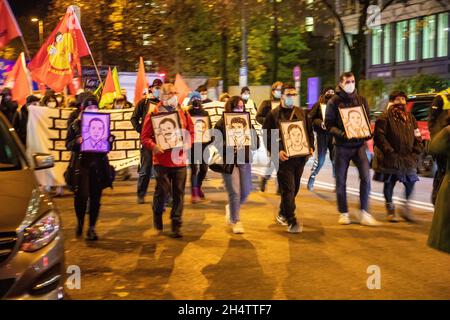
x=349, y=149
x=397, y=146
x=439, y=114
x=137, y=120
x=170, y=164
x=199, y=153
x=90, y=173
x=439, y=237
x=120, y=102
x=290, y=170
x=20, y=120
x=324, y=141
x=263, y=110
x=61, y=100
x=7, y=105
x=238, y=182
x=203, y=91
x=49, y=100
x=249, y=103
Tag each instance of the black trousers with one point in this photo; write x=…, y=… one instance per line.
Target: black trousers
x=289, y=176
x=88, y=189
x=198, y=174
x=441, y=163
x=169, y=180
x=145, y=172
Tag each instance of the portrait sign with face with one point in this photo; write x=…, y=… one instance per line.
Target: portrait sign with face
x=95, y=131
x=167, y=128
x=355, y=122
x=295, y=138
x=202, y=128
x=237, y=129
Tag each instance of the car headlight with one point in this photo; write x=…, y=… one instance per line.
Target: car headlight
x=41, y=233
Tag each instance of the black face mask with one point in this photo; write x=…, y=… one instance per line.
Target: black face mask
x=328, y=96
x=196, y=104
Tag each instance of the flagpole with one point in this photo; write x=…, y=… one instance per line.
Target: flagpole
x=25, y=47
x=95, y=66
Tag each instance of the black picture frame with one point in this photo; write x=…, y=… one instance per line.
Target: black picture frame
x=285, y=137
x=228, y=119
x=173, y=118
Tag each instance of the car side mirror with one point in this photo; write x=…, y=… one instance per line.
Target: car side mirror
x=43, y=161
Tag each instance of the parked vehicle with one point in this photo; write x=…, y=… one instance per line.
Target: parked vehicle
x=31, y=244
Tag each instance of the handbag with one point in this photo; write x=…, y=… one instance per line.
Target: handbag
x=216, y=164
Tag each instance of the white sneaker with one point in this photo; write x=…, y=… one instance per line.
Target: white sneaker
x=368, y=220
x=228, y=215
x=296, y=228
x=238, y=228
x=281, y=220
x=344, y=219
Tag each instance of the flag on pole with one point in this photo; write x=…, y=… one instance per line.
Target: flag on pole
x=141, y=83
x=9, y=29
x=181, y=87
x=115, y=76
x=19, y=81
x=109, y=91
x=58, y=60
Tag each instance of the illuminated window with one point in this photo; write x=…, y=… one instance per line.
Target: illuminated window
x=387, y=43
x=442, y=35
x=401, y=30
x=429, y=36
x=376, y=45
x=412, y=39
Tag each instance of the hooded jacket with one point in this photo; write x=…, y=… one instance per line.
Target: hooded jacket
x=333, y=119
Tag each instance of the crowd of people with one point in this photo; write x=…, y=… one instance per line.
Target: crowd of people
x=334, y=124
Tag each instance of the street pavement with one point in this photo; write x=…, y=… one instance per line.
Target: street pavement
x=326, y=261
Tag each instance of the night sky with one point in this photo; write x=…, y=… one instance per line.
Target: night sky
x=29, y=7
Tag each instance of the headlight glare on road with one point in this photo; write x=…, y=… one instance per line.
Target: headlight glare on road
x=41, y=233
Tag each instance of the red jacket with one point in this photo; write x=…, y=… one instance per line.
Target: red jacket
x=172, y=157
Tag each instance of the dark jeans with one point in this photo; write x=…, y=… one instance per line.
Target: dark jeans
x=198, y=174
x=87, y=190
x=169, y=180
x=324, y=143
x=388, y=190
x=145, y=172
x=289, y=176
x=441, y=163
x=342, y=162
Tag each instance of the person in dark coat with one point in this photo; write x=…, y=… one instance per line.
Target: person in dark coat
x=263, y=110
x=439, y=237
x=203, y=91
x=20, y=121
x=7, y=105
x=324, y=141
x=397, y=146
x=91, y=174
x=137, y=120
x=199, y=154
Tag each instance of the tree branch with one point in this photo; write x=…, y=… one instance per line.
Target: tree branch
x=340, y=22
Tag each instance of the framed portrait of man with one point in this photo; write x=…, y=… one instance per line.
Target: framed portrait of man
x=167, y=130
x=294, y=138
x=95, y=132
x=356, y=122
x=237, y=129
x=202, y=126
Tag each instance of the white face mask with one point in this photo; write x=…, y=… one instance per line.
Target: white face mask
x=51, y=104
x=91, y=108
x=349, y=88
x=172, y=102
x=204, y=97
x=245, y=96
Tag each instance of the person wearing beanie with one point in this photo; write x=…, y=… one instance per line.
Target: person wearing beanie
x=21, y=118
x=199, y=154
x=137, y=120
x=89, y=173
x=324, y=140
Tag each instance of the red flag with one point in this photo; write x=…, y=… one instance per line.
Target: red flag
x=108, y=92
x=19, y=81
x=141, y=83
x=58, y=60
x=181, y=87
x=9, y=29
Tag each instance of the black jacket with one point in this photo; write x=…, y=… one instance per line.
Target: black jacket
x=231, y=154
x=264, y=108
x=333, y=120
x=397, y=144
x=9, y=109
x=20, y=122
x=273, y=122
x=139, y=113
x=437, y=117
x=315, y=114
x=203, y=113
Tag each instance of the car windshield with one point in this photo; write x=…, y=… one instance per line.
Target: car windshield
x=8, y=150
x=420, y=109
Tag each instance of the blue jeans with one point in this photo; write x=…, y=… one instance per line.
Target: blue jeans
x=239, y=186
x=324, y=143
x=145, y=172
x=342, y=162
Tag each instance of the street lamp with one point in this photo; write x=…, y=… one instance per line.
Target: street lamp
x=41, y=29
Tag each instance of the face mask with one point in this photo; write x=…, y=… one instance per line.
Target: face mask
x=196, y=104
x=277, y=94
x=59, y=99
x=289, y=102
x=204, y=97
x=51, y=104
x=155, y=93
x=173, y=102
x=245, y=97
x=349, y=88
x=91, y=108
x=34, y=104
x=238, y=109
x=328, y=96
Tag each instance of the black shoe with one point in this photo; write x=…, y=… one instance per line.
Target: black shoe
x=141, y=200
x=263, y=184
x=91, y=235
x=176, y=233
x=79, y=231
x=158, y=222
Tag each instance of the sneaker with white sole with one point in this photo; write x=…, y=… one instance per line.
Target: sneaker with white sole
x=227, y=214
x=238, y=228
x=295, y=228
x=368, y=220
x=344, y=219
x=281, y=220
